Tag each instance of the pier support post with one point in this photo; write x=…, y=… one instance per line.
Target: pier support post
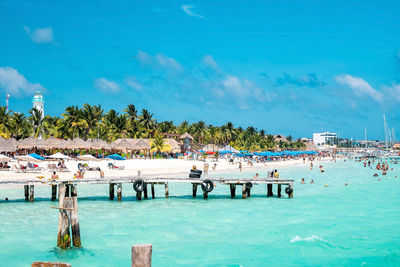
x=205, y=195
x=67, y=190
x=26, y=191
x=74, y=190
x=53, y=192
x=119, y=192
x=194, y=190
x=138, y=196
x=76, y=233
x=233, y=190
x=244, y=191
x=269, y=188
x=279, y=190
x=291, y=194
x=248, y=192
x=145, y=191
x=65, y=204
x=111, y=191
x=141, y=255
x=152, y=191
x=31, y=193
x=166, y=190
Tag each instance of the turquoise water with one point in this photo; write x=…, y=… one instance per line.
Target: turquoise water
x=337, y=225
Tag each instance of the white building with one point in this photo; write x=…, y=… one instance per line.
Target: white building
x=38, y=102
x=324, y=139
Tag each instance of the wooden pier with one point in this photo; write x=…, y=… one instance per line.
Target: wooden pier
x=140, y=185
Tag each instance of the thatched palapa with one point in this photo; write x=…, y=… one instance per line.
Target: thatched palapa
x=77, y=143
x=7, y=145
x=99, y=144
x=27, y=143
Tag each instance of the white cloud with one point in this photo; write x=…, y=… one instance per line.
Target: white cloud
x=106, y=85
x=210, y=62
x=40, y=35
x=188, y=10
x=359, y=86
x=16, y=84
x=133, y=83
x=159, y=61
x=392, y=93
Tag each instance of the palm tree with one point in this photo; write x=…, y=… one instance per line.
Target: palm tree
x=72, y=119
x=37, y=121
x=4, y=123
x=20, y=127
x=132, y=112
x=147, y=121
x=120, y=126
x=158, y=143
x=183, y=127
x=92, y=116
x=200, y=131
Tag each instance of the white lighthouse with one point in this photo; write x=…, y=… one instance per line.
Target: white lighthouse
x=38, y=102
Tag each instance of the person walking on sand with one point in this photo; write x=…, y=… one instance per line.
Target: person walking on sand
x=311, y=166
x=240, y=166
x=101, y=173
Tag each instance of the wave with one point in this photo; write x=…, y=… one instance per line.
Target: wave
x=308, y=239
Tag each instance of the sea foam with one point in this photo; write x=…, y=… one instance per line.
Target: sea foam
x=307, y=239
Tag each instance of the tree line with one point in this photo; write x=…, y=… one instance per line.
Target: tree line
x=92, y=122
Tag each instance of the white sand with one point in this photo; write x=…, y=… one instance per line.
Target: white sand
x=150, y=167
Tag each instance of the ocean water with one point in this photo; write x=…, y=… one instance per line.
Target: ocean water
x=337, y=225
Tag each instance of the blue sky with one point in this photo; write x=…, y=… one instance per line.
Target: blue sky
x=290, y=67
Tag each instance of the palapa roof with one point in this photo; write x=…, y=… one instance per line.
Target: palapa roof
x=141, y=144
x=122, y=144
x=54, y=143
x=186, y=135
x=27, y=143
x=77, y=143
x=100, y=144
x=279, y=137
x=175, y=147
x=7, y=145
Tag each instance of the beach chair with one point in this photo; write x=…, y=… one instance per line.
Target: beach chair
x=16, y=168
x=61, y=169
x=52, y=167
x=114, y=167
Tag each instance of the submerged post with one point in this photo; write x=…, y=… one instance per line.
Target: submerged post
x=269, y=188
x=244, y=191
x=291, y=191
x=233, y=190
x=53, y=192
x=279, y=190
x=141, y=255
x=49, y=264
x=74, y=190
x=166, y=190
x=152, y=191
x=76, y=233
x=119, y=192
x=111, y=191
x=145, y=191
x=194, y=190
x=31, y=193
x=64, y=236
x=26, y=191
x=67, y=190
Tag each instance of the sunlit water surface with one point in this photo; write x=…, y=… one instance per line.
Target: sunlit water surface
x=337, y=225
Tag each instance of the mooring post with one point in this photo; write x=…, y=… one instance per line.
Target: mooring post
x=153, y=195
x=76, y=233
x=291, y=191
x=244, y=191
x=233, y=190
x=194, y=190
x=53, y=192
x=141, y=255
x=145, y=191
x=67, y=190
x=111, y=189
x=26, y=189
x=119, y=191
x=248, y=192
x=279, y=190
x=138, y=196
x=74, y=190
x=31, y=193
x=49, y=264
x=65, y=205
x=269, y=188
x=166, y=190
x=205, y=195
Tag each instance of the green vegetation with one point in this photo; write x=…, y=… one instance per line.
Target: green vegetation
x=93, y=122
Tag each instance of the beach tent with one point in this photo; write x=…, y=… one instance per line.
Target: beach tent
x=115, y=157
x=58, y=155
x=88, y=157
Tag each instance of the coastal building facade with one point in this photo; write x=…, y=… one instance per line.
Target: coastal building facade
x=324, y=139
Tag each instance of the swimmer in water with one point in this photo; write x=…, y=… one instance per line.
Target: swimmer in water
x=321, y=168
x=311, y=166
x=375, y=175
x=302, y=181
x=312, y=181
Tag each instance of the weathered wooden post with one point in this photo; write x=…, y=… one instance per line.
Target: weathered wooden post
x=145, y=191
x=138, y=196
x=111, y=189
x=76, y=233
x=119, y=191
x=233, y=190
x=244, y=191
x=26, y=189
x=166, y=190
x=269, y=188
x=141, y=255
x=74, y=190
x=53, y=192
x=291, y=191
x=31, y=193
x=65, y=204
x=194, y=190
x=205, y=195
x=279, y=190
x=49, y=264
x=152, y=191
x=67, y=190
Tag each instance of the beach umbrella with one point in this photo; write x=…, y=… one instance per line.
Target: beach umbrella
x=36, y=156
x=88, y=158
x=115, y=157
x=29, y=157
x=4, y=158
x=58, y=155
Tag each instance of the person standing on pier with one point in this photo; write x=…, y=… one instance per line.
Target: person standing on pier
x=55, y=176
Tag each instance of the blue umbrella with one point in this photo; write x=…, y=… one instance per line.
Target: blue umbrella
x=116, y=157
x=36, y=156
